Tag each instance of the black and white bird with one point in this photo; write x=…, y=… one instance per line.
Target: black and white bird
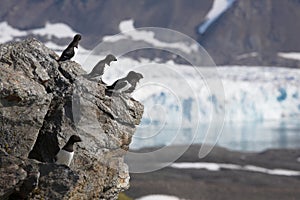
x=69, y=52
x=124, y=85
x=98, y=69
x=65, y=155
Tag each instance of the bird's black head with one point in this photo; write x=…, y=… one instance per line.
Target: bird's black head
x=74, y=138
x=76, y=40
x=110, y=58
x=134, y=76
x=77, y=37
x=131, y=74
x=139, y=76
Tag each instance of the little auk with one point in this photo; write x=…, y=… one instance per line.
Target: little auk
x=69, y=52
x=98, y=69
x=65, y=155
x=124, y=85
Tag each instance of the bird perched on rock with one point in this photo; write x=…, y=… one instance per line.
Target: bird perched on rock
x=124, y=85
x=69, y=52
x=98, y=69
x=65, y=155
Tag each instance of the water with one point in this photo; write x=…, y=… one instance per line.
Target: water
x=260, y=136
x=241, y=136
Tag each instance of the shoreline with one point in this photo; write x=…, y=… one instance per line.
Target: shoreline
x=224, y=183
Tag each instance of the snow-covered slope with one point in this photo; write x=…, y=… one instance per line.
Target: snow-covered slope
x=58, y=30
x=8, y=33
x=50, y=31
x=218, y=8
x=159, y=197
x=289, y=55
x=128, y=31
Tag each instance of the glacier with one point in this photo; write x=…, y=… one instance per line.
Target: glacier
x=251, y=93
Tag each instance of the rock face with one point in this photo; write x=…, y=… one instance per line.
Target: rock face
x=43, y=103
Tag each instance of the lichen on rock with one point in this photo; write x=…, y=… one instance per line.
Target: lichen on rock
x=42, y=103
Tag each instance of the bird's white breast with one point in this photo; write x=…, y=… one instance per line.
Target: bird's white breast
x=64, y=157
x=75, y=52
x=126, y=87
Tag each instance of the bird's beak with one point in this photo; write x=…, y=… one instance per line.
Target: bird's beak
x=115, y=59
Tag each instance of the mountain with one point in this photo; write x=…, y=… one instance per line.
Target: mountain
x=96, y=19
x=243, y=31
x=253, y=32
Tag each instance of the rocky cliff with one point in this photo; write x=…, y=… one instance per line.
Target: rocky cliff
x=43, y=103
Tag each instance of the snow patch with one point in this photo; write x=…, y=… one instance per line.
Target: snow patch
x=54, y=47
x=159, y=197
x=126, y=25
x=247, y=55
x=7, y=32
x=59, y=30
x=219, y=166
x=128, y=31
x=114, y=38
x=289, y=55
x=218, y=8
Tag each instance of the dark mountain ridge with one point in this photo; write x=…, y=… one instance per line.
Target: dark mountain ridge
x=261, y=27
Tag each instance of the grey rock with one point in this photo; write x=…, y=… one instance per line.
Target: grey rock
x=23, y=99
x=42, y=103
x=29, y=179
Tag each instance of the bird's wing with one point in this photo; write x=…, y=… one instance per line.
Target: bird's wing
x=66, y=54
x=117, y=85
x=120, y=85
x=125, y=87
x=98, y=69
